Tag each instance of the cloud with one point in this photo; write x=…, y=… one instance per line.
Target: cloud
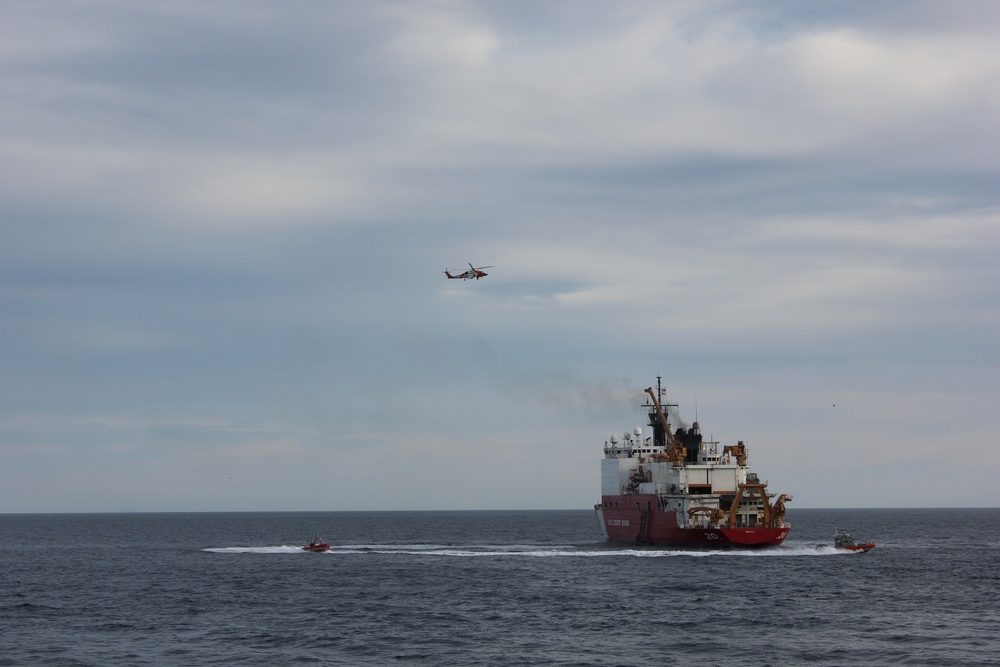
x=223, y=229
x=439, y=36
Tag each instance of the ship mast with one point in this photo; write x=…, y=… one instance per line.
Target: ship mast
x=676, y=452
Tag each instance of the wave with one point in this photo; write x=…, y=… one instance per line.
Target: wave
x=255, y=550
x=538, y=551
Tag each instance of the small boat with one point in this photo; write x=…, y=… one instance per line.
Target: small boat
x=317, y=546
x=844, y=540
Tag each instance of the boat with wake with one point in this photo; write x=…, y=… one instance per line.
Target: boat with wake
x=844, y=540
x=317, y=546
x=676, y=489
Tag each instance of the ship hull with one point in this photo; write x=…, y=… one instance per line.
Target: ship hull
x=624, y=523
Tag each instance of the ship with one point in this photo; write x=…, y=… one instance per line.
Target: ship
x=676, y=489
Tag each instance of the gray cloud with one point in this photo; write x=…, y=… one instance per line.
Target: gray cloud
x=223, y=228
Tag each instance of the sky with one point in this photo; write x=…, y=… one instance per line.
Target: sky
x=223, y=230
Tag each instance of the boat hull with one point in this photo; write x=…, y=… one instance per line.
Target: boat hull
x=637, y=520
x=317, y=548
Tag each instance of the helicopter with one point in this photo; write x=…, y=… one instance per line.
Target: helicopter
x=473, y=272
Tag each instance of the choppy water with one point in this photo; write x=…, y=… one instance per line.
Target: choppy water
x=491, y=588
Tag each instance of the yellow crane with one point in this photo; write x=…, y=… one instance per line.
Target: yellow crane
x=676, y=452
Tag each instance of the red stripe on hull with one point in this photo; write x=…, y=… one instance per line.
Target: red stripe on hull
x=644, y=523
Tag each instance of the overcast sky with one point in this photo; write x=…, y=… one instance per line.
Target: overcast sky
x=223, y=228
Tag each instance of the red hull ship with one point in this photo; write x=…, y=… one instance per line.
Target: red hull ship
x=675, y=489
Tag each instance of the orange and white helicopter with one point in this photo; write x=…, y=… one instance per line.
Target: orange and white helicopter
x=473, y=272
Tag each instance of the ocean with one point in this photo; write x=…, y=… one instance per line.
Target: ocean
x=492, y=588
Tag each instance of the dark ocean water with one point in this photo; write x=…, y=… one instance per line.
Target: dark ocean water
x=491, y=588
